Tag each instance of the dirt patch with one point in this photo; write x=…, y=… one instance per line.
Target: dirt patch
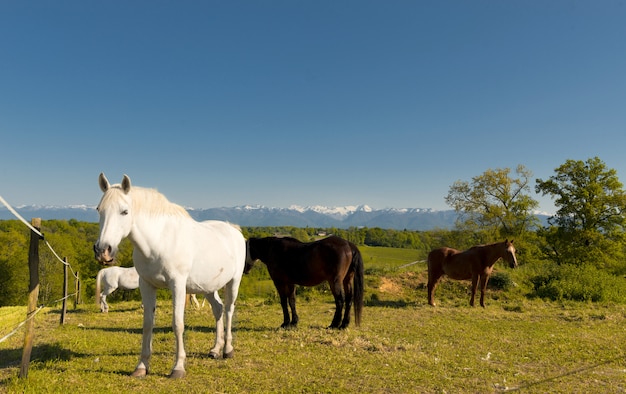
x=406, y=281
x=389, y=285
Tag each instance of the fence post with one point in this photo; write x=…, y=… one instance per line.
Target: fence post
x=77, y=290
x=33, y=296
x=64, y=309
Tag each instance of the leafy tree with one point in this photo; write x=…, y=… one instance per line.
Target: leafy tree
x=589, y=223
x=14, y=276
x=495, y=204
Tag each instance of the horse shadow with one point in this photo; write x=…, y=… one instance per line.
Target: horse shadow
x=397, y=304
x=133, y=330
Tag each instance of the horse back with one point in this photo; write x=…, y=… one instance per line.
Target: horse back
x=454, y=263
x=311, y=263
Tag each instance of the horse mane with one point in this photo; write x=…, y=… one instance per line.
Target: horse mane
x=146, y=200
x=291, y=239
x=153, y=202
x=486, y=245
x=235, y=226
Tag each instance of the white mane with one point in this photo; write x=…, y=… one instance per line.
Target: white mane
x=147, y=201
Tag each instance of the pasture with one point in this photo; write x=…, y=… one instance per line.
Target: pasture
x=403, y=344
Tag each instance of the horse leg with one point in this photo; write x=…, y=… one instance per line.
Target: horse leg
x=433, y=279
x=348, y=291
x=218, y=308
x=484, y=278
x=474, y=285
x=338, y=294
x=194, y=299
x=148, y=299
x=230, y=295
x=104, y=307
x=178, y=323
x=292, y=306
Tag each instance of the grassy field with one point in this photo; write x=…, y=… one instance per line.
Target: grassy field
x=403, y=345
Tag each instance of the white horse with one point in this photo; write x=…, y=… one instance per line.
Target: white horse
x=172, y=250
x=110, y=279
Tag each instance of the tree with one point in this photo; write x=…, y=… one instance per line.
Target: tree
x=14, y=276
x=495, y=203
x=589, y=223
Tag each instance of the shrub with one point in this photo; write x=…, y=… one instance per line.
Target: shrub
x=578, y=283
x=500, y=281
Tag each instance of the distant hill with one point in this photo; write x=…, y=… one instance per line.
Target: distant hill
x=261, y=216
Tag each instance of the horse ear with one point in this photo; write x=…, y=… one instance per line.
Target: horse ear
x=103, y=182
x=126, y=184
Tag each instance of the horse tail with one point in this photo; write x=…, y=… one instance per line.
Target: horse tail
x=358, y=286
x=98, y=286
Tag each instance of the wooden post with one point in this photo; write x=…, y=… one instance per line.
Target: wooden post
x=33, y=296
x=77, y=290
x=64, y=309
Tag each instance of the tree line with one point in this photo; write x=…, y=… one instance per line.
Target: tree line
x=578, y=255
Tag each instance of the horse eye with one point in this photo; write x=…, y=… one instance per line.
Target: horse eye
x=125, y=212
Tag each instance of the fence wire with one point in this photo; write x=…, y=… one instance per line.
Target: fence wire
x=40, y=234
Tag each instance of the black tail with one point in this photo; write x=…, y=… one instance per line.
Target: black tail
x=358, y=286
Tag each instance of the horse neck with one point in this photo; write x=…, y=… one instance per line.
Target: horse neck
x=493, y=252
x=146, y=232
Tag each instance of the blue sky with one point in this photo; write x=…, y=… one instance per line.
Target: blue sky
x=224, y=103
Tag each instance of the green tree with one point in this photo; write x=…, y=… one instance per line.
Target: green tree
x=14, y=276
x=495, y=203
x=589, y=223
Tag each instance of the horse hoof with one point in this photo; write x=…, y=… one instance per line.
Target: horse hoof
x=214, y=355
x=177, y=374
x=139, y=373
x=230, y=354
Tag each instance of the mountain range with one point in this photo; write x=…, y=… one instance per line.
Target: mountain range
x=261, y=216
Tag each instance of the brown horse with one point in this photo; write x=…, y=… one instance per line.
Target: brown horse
x=475, y=263
x=291, y=262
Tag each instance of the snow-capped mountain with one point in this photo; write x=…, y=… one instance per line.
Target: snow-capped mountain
x=258, y=216
x=295, y=215
x=340, y=217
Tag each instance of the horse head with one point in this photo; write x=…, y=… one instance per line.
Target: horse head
x=509, y=253
x=116, y=220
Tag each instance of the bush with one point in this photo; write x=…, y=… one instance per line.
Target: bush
x=500, y=281
x=578, y=283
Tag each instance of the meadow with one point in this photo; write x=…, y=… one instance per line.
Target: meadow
x=403, y=345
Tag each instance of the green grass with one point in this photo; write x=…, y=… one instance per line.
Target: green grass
x=535, y=346
x=403, y=345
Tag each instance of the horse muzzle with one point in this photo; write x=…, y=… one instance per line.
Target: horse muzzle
x=103, y=255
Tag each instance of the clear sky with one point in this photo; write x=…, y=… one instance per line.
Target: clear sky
x=224, y=103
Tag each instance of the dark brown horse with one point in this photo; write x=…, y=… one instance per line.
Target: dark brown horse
x=475, y=263
x=291, y=262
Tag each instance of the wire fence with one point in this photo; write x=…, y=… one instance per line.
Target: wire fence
x=54, y=253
